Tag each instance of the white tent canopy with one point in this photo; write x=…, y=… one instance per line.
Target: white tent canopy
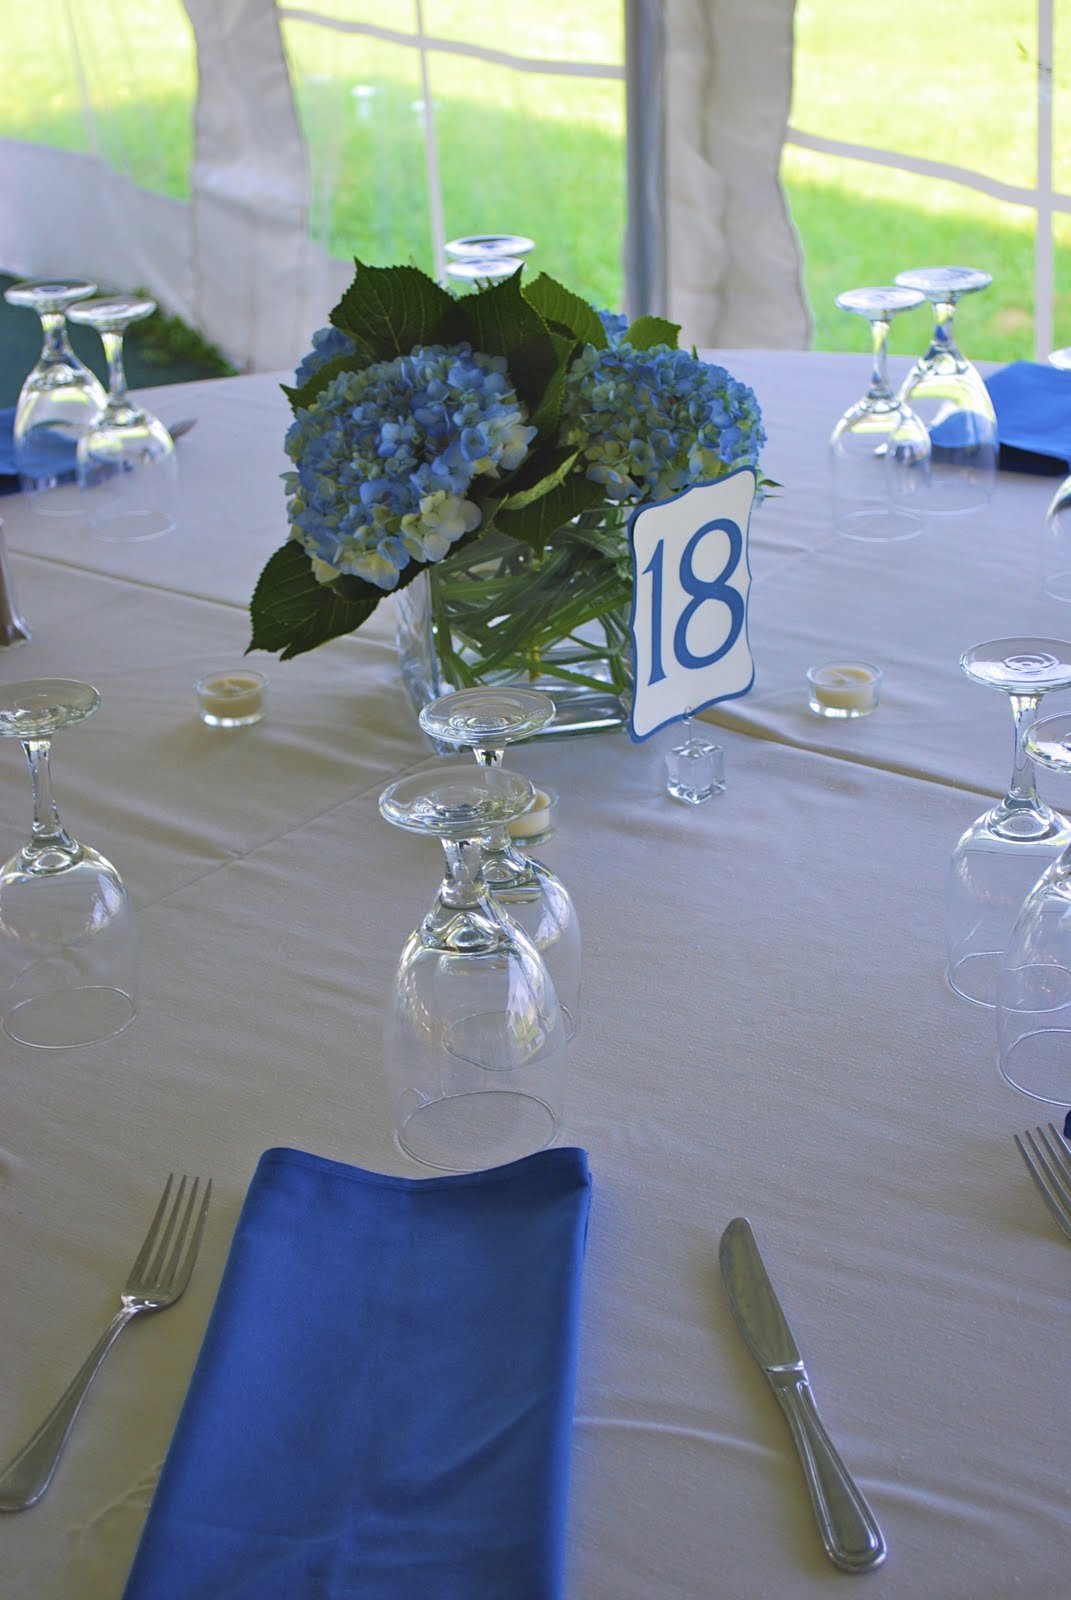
x=708, y=241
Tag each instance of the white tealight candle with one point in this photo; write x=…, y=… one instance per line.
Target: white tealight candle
x=843, y=689
x=538, y=819
x=231, y=699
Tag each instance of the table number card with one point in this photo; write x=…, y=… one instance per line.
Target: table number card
x=690, y=578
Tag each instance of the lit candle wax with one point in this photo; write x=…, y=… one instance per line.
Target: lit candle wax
x=231, y=699
x=843, y=688
x=538, y=819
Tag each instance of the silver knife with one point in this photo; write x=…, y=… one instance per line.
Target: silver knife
x=848, y=1528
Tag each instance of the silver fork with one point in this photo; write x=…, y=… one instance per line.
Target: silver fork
x=1048, y=1161
x=157, y=1279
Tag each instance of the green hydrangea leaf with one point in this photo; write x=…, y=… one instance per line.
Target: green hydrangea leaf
x=500, y=322
x=646, y=332
x=293, y=613
x=561, y=306
x=389, y=310
x=552, y=467
x=546, y=416
x=533, y=524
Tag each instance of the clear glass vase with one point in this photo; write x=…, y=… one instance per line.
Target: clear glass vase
x=498, y=613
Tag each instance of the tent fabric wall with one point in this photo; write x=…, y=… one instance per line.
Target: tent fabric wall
x=733, y=262
x=710, y=241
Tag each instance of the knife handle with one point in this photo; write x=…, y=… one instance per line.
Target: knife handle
x=848, y=1528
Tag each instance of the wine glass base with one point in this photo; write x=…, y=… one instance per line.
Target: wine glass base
x=59, y=502
x=879, y=524
x=1038, y=1064
x=484, y=1128
x=974, y=978
x=62, y=1019
x=129, y=527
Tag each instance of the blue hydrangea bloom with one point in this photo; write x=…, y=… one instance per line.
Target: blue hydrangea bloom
x=386, y=459
x=616, y=324
x=326, y=344
x=651, y=423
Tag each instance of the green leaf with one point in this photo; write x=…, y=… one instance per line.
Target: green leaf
x=392, y=309
x=534, y=523
x=548, y=413
x=554, y=466
x=500, y=322
x=560, y=305
x=646, y=332
x=293, y=613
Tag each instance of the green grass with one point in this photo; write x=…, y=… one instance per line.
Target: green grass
x=546, y=156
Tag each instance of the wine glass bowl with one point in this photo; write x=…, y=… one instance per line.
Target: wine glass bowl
x=126, y=462
x=1034, y=983
x=487, y=720
x=68, y=944
x=948, y=393
x=474, y=1041
x=880, y=449
x=60, y=398
x=1004, y=851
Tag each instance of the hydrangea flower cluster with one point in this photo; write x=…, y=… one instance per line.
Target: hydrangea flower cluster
x=651, y=423
x=327, y=343
x=386, y=458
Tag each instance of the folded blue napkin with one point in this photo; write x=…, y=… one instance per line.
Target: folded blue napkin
x=1032, y=401
x=51, y=458
x=382, y=1406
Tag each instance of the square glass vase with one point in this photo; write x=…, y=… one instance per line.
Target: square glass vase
x=498, y=613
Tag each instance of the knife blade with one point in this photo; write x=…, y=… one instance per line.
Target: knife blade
x=848, y=1528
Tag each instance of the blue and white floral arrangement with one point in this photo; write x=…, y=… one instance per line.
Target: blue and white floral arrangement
x=511, y=430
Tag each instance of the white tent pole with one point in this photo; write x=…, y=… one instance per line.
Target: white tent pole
x=1043, y=233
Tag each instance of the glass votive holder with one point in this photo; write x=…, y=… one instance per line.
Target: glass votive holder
x=843, y=689
x=233, y=698
x=538, y=822
x=695, y=771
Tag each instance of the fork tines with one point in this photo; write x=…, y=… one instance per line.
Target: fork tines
x=1048, y=1161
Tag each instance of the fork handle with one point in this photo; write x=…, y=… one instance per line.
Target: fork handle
x=27, y=1475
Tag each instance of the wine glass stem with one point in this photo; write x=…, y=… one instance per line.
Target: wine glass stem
x=1022, y=791
x=879, y=379
x=463, y=884
x=56, y=346
x=944, y=337
x=113, y=349
x=48, y=831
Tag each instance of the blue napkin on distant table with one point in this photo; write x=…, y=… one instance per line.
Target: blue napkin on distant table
x=1033, y=404
x=382, y=1406
x=56, y=460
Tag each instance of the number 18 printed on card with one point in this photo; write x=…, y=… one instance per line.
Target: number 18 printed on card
x=690, y=580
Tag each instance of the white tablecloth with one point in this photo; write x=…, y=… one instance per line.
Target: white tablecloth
x=767, y=1032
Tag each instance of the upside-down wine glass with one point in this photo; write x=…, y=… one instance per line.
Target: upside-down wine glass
x=127, y=466
x=68, y=944
x=1004, y=852
x=474, y=1041
x=60, y=398
x=880, y=449
x=486, y=257
x=1034, y=985
x=486, y=721
x=948, y=393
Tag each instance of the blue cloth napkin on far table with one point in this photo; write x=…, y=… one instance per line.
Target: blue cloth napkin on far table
x=382, y=1406
x=1032, y=401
